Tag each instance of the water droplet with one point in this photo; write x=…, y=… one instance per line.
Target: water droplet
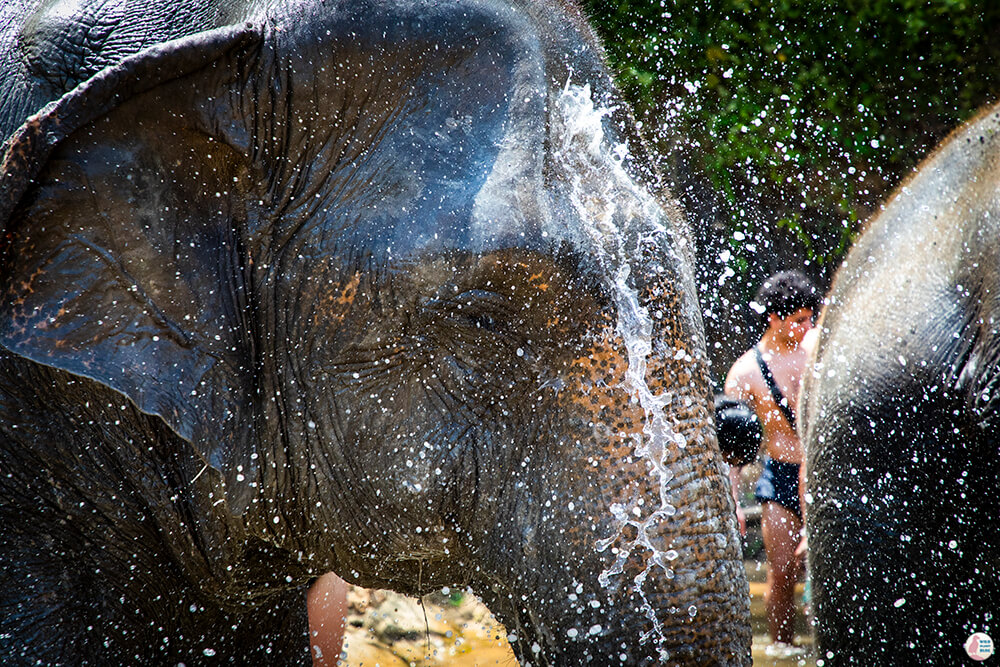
x=899, y=603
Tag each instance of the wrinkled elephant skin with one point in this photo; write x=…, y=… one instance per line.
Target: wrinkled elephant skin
x=369, y=287
x=901, y=421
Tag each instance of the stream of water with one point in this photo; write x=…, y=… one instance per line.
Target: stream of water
x=619, y=218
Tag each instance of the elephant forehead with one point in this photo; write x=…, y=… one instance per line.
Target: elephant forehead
x=453, y=138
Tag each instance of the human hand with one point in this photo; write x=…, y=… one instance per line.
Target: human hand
x=803, y=547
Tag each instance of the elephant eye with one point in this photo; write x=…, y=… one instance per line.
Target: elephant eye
x=479, y=309
x=482, y=321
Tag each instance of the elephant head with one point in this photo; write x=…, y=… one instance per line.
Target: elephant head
x=372, y=287
x=900, y=421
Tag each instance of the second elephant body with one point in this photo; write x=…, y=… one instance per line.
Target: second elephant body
x=901, y=421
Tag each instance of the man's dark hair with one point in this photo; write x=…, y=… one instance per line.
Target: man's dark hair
x=785, y=292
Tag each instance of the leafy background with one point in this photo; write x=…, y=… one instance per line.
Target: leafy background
x=783, y=124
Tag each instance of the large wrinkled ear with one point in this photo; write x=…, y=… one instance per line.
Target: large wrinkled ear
x=120, y=259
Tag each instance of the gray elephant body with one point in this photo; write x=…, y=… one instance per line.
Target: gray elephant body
x=351, y=286
x=901, y=421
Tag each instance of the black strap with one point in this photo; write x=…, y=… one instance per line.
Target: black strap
x=776, y=394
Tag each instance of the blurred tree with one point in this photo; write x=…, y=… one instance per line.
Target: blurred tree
x=783, y=124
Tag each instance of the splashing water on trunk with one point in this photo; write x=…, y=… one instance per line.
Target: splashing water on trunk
x=622, y=220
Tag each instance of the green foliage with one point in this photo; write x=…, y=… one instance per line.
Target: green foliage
x=811, y=110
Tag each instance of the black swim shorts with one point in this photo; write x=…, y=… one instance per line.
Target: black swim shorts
x=779, y=482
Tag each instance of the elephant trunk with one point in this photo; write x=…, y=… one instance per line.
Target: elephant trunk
x=632, y=511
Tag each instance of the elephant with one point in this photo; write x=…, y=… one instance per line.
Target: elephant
x=900, y=421
x=378, y=287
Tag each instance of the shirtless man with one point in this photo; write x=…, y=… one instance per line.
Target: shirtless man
x=789, y=300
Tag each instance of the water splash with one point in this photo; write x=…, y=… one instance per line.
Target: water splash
x=622, y=220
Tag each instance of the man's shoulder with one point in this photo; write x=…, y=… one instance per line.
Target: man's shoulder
x=745, y=368
x=747, y=360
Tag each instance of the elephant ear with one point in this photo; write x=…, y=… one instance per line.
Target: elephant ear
x=120, y=263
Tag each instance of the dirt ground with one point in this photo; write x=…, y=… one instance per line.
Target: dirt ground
x=389, y=630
